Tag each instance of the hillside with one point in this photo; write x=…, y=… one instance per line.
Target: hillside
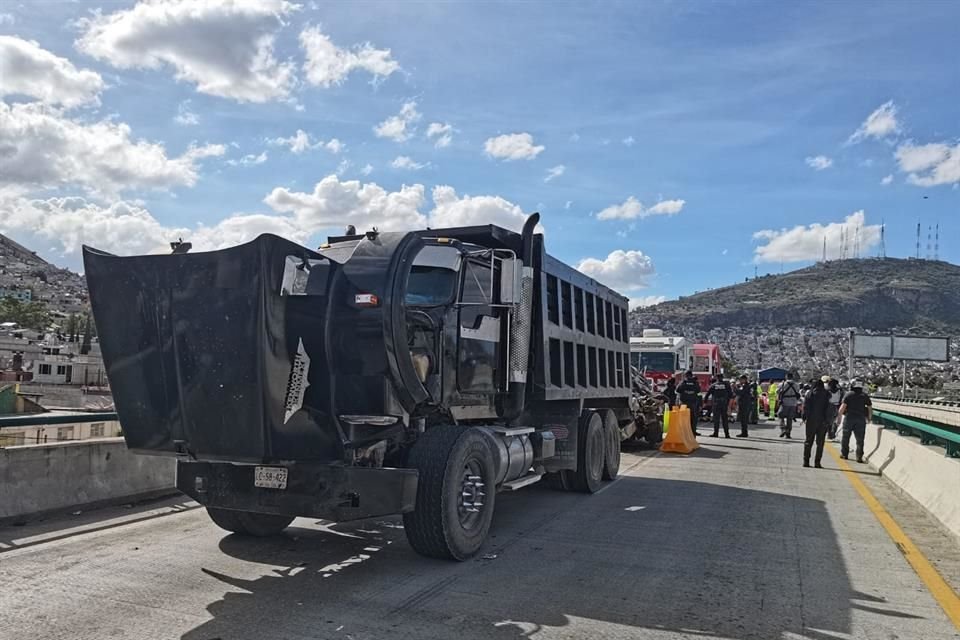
x=21, y=270
x=879, y=294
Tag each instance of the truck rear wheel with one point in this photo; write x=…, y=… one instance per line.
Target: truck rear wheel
x=249, y=523
x=455, y=493
x=611, y=458
x=590, y=454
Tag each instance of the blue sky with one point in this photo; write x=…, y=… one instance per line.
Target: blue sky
x=670, y=147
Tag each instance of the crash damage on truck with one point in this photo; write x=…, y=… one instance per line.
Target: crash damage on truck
x=382, y=373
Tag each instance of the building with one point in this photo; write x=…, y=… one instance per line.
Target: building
x=23, y=295
x=43, y=434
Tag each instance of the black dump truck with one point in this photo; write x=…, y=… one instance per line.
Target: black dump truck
x=416, y=373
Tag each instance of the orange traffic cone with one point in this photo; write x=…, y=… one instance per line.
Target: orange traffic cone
x=679, y=435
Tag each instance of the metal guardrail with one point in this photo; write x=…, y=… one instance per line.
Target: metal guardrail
x=45, y=419
x=927, y=433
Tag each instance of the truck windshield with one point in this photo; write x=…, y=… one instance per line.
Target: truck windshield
x=658, y=361
x=430, y=286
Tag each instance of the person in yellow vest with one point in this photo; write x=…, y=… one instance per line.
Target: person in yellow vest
x=772, y=399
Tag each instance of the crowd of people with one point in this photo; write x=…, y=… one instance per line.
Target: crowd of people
x=825, y=407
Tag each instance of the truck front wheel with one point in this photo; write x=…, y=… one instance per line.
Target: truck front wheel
x=455, y=493
x=249, y=523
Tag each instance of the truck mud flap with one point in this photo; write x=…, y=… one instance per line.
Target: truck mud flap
x=319, y=491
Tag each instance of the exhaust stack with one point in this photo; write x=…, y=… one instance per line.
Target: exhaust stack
x=519, y=356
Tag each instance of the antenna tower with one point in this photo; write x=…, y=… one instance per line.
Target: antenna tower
x=883, y=239
x=918, y=241
x=936, y=244
x=929, y=242
x=824, y=248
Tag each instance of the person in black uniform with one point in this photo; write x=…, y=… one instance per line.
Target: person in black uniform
x=816, y=415
x=755, y=409
x=721, y=393
x=670, y=391
x=689, y=392
x=857, y=409
x=746, y=404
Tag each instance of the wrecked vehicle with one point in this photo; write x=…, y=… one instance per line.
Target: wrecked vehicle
x=416, y=373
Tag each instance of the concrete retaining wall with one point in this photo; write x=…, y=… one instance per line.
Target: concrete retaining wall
x=68, y=475
x=922, y=471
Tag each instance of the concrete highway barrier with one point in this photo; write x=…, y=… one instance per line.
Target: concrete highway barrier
x=37, y=479
x=919, y=470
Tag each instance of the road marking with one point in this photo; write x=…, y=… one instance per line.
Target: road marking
x=945, y=596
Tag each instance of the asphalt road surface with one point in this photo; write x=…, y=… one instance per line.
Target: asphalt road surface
x=735, y=541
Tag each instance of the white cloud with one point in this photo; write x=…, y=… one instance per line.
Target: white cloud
x=629, y=141
x=408, y=163
x=512, y=146
x=819, y=163
x=887, y=180
x=443, y=132
x=631, y=208
x=126, y=227
x=367, y=169
x=249, y=159
x=880, y=124
x=646, y=301
x=449, y=210
x=343, y=166
x=399, y=127
x=7, y=19
x=335, y=203
x=43, y=149
x=805, y=243
x=327, y=64
x=224, y=48
x=555, y=172
x=621, y=270
x=300, y=142
x=29, y=70
x=929, y=165
x=184, y=116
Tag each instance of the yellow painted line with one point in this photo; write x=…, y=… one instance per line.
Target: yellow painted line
x=945, y=596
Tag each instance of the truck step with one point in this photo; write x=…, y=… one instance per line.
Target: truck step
x=519, y=483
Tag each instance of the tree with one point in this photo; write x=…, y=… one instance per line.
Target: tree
x=30, y=315
x=87, y=326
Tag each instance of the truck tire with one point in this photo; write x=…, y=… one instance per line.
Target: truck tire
x=590, y=453
x=611, y=457
x=455, y=493
x=248, y=523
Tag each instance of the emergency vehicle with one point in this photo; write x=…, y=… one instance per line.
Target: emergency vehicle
x=659, y=357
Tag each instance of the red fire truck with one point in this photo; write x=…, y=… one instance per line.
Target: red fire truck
x=659, y=357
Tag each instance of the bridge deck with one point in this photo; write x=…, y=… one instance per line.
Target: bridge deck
x=735, y=541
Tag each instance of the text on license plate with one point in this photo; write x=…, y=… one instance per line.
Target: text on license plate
x=270, y=477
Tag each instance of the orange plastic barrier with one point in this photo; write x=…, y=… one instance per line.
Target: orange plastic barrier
x=679, y=437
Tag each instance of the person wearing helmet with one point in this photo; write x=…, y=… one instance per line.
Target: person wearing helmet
x=856, y=409
x=689, y=393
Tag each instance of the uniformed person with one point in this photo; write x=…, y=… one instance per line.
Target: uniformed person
x=721, y=393
x=816, y=415
x=689, y=392
x=746, y=404
x=856, y=409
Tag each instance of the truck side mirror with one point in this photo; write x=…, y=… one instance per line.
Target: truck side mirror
x=510, y=271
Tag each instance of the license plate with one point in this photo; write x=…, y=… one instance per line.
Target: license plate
x=270, y=477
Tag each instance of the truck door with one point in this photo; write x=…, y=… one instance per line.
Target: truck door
x=481, y=329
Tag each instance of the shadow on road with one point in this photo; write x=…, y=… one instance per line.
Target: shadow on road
x=687, y=557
